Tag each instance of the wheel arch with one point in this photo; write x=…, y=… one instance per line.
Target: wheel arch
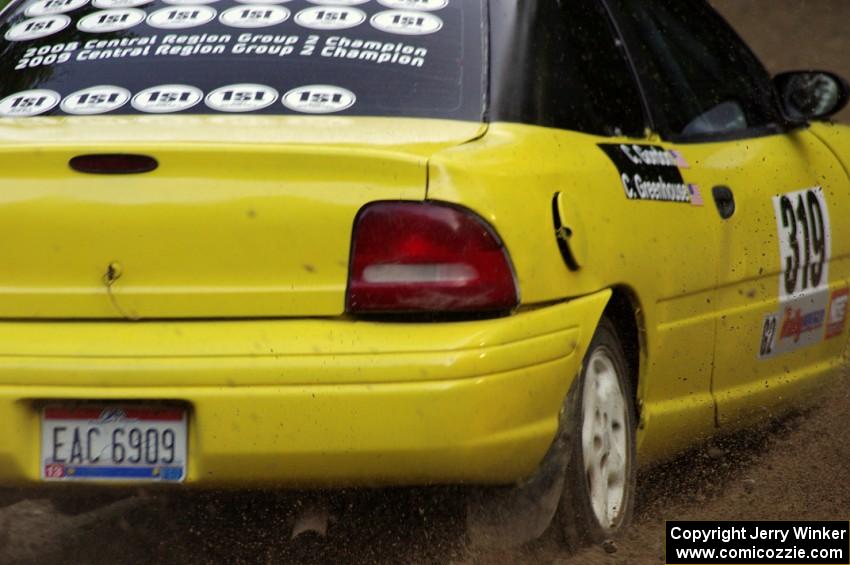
x=625, y=312
x=521, y=513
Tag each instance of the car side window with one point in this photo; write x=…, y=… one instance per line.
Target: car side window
x=701, y=80
x=598, y=85
x=559, y=63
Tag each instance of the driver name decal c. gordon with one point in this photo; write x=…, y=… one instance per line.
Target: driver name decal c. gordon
x=649, y=172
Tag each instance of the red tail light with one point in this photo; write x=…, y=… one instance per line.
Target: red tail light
x=423, y=257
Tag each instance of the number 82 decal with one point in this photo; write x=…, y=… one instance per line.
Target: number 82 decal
x=768, y=335
x=802, y=218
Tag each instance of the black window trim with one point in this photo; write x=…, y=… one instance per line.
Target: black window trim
x=486, y=64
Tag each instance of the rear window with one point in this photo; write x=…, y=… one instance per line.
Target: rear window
x=413, y=58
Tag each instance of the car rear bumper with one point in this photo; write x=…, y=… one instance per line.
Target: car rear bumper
x=307, y=403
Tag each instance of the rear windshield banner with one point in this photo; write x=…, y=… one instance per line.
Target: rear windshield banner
x=361, y=57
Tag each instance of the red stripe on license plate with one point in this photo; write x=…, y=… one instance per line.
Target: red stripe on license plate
x=98, y=413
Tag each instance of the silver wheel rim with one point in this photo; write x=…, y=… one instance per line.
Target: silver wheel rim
x=604, y=438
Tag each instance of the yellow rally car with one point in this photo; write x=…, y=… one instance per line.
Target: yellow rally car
x=323, y=243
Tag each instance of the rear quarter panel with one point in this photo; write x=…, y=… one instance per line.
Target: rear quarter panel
x=664, y=253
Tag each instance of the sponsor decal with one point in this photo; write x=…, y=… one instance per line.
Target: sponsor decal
x=105, y=21
x=110, y=4
x=95, y=100
x=648, y=172
x=51, y=7
x=319, y=99
x=329, y=18
x=241, y=98
x=795, y=323
x=254, y=16
x=406, y=22
x=837, y=313
x=181, y=17
x=167, y=98
x=798, y=324
x=427, y=5
x=36, y=28
x=29, y=103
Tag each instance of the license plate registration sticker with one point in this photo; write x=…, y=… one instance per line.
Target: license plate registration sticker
x=125, y=443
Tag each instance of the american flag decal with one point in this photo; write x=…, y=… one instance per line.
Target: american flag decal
x=681, y=162
x=696, y=195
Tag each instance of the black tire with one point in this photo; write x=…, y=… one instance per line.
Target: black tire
x=577, y=521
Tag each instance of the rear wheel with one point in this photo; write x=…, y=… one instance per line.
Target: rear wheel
x=598, y=495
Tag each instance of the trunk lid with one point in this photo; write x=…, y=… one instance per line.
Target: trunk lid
x=244, y=217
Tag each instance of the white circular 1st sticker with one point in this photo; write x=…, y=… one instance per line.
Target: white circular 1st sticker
x=181, y=17
x=167, y=98
x=338, y=2
x=29, y=103
x=319, y=99
x=37, y=28
x=106, y=21
x=406, y=22
x=111, y=4
x=332, y=17
x=427, y=5
x=241, y=98
x=95, y=100
x=254, y=16
x=51, y=7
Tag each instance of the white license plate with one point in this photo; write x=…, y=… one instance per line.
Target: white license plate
x=125, y=443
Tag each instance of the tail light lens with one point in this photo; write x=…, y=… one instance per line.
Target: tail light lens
x=424, y=257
